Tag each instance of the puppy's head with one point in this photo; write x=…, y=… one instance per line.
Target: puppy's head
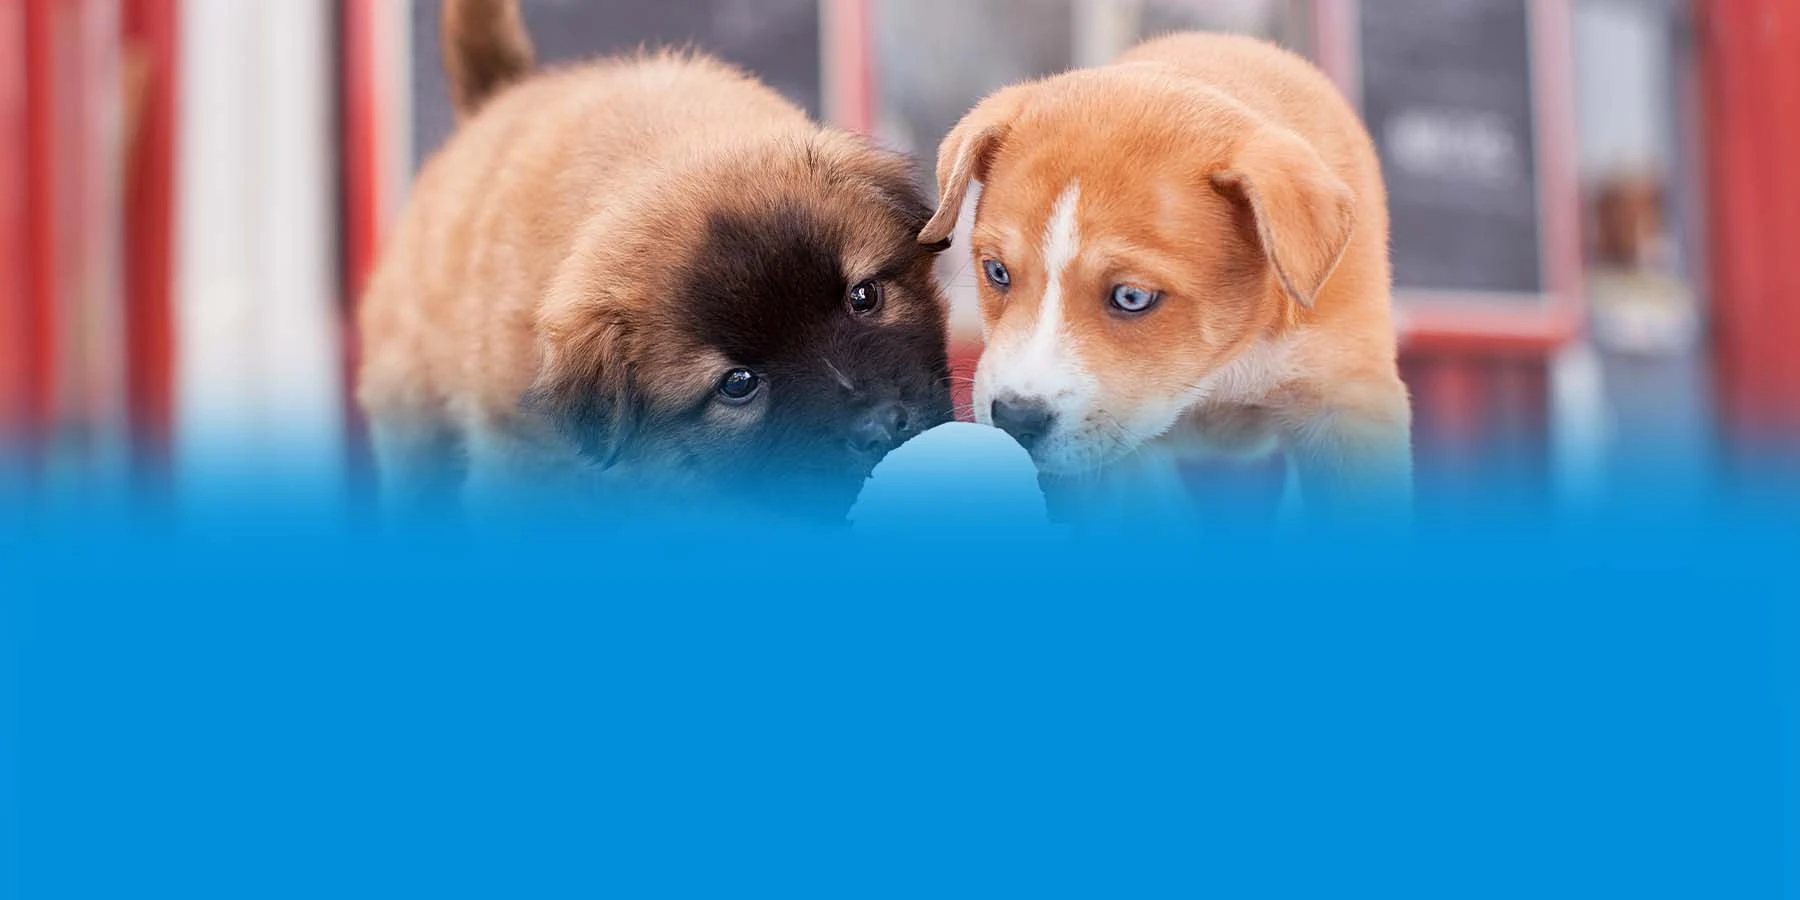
x=1133, y=238
x=762, y=326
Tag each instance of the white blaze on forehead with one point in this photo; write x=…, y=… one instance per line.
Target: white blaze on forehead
x=1062, y=241
x=1041, y=364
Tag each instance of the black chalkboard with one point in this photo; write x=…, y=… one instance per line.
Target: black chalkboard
x=1447, y=92
x=776, y=39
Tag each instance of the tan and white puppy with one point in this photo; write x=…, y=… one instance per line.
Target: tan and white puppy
x=1185, y=252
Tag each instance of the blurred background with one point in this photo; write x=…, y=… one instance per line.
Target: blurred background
x=1596, y=209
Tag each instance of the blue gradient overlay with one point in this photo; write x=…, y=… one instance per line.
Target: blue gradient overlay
x=1514, y=702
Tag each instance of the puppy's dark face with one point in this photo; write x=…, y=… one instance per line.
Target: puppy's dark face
x=821, y=355
x=795, y=339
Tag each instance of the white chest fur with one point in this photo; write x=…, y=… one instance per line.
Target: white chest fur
x=1251, y=377
x=1228, y=416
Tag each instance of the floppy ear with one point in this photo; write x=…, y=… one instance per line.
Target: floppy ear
x=894, y=179
x=1304, y=214
x=965, y=156
x=585, y=387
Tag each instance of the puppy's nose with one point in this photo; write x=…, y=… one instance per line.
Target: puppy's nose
x=880, y=429
x=1026, y=420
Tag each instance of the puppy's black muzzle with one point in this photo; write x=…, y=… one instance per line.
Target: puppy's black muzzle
x=881, y=429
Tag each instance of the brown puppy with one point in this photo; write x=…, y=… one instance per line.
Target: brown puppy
x=654, y=268
x=1185, y=251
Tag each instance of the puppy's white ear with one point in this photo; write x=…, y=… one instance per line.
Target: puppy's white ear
x=966, y=155
x=1304, y=213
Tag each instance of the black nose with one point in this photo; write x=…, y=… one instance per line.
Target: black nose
x=1026, y=420
x=880, y=429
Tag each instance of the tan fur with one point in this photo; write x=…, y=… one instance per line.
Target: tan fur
x=1232, y=177
x=486, y=48
x=535, y=259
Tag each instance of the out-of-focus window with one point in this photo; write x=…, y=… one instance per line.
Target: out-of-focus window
x=1450, y=94
x=1639, y=168
x=1636, y=172
x=935, y=59
x=1284, y=21
x=778, y=40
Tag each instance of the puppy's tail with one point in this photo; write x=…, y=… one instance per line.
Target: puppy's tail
x=486, y=48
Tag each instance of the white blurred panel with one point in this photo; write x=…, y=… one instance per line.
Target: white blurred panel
x=260, y=398
x=1622, y=85
x=1103, y=29
x=394, y=63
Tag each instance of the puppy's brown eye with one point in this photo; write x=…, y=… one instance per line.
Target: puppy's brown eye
x=865, y=298
x=739, y=386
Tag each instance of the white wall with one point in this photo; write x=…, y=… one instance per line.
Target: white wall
x=259, y=389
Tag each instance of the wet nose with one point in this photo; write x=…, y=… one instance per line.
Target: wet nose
x=880, y=429
x=1026, y=420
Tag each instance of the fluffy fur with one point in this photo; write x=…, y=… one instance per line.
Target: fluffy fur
x=1232, y=178
x=597, y=247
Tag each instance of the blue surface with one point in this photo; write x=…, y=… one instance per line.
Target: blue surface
x=266, y=707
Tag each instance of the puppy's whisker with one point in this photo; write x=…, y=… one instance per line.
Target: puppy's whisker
x=841, y=378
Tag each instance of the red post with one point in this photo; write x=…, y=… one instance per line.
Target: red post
x=1751, y=69
x=367, y=130
x=15, y=248
x=362, y=150
x=46, y=24
x=850, y=64
x=150, y=35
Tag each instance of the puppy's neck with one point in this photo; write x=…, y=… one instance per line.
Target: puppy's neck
x=1260, y=369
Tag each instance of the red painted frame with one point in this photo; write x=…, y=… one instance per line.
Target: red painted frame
x=1750, y=59
x=367, y=133
x=152, y=28
x=850, y=88
x=44, y=219
x=16, y=369
x=366, y=106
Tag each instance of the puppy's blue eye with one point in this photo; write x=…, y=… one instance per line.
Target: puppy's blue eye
x=739, y=385
x=997, y=274
x=1126, y=298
